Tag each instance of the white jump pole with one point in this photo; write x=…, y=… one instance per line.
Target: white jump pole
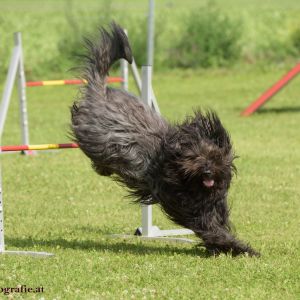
x=124, y=71
x=150, y=55
x=22, y=91
x=150, y=36
x=16, y=63
x=148, y=230
x=145, y=86
x=146, y=93
x=146, y=98
x=138, y=82
x=9, y=84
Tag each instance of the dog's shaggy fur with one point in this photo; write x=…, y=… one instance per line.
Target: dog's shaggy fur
x=185, y=168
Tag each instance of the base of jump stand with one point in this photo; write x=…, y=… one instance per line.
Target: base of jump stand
x=27, y=253
x=160, y=235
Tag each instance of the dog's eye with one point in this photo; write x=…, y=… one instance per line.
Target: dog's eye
x=219, y=156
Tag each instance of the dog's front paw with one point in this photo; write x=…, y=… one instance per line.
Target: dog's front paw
x=245, y=250
x=253, y=253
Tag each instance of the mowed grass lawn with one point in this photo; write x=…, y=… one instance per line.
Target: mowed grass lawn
x=54, y=202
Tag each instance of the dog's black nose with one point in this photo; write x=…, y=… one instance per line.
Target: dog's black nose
x=207, y=172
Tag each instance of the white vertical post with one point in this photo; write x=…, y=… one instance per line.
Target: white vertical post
x=146, y=84
x=146, y=220
x=146, y=98
x=16, y=63
x=150, y=41
x=124, y=71
x=136, y=76
x=138, y=83
x=22, y=91
x=147, y=229
x=10, y=79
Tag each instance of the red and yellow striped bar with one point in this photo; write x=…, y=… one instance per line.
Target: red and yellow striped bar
x=68, y=82
x=38, y=147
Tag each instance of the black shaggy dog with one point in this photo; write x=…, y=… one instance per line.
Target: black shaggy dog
x=185, y=168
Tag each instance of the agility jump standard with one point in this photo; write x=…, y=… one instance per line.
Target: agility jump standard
x=16, y=71
x=267, y=95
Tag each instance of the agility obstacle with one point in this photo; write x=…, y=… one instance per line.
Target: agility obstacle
x=147, y=230
x=268, y=94
x=38, y=147
x=68, y=82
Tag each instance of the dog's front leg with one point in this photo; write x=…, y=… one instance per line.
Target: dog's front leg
x=213, y=227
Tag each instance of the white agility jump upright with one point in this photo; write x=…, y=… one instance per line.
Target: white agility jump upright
x=148, y=230
x=124, y=70
x=15, y=67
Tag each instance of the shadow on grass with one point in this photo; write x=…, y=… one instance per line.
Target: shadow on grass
x=287, y=109
x=129, y=246
x=277, y=110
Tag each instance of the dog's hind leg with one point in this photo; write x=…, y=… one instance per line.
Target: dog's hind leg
x=102, y=170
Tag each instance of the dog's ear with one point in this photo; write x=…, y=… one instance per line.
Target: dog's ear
x=232, y=165
x=172, y=143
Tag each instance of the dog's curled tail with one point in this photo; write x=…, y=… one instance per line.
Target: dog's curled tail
x=102, y=54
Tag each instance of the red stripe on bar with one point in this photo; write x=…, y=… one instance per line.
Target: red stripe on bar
x=34, y=83
x=74, y=81
x=70, y=145
x=114, y=79
x=14, y=148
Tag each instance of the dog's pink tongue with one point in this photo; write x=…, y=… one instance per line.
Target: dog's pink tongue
x=208, y=183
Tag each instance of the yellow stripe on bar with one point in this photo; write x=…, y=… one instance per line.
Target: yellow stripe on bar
x=54, y=82
x=43, y=147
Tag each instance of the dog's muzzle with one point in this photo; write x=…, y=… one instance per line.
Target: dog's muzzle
x=208, y=181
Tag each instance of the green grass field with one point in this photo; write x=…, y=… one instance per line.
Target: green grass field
x=54, y=202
